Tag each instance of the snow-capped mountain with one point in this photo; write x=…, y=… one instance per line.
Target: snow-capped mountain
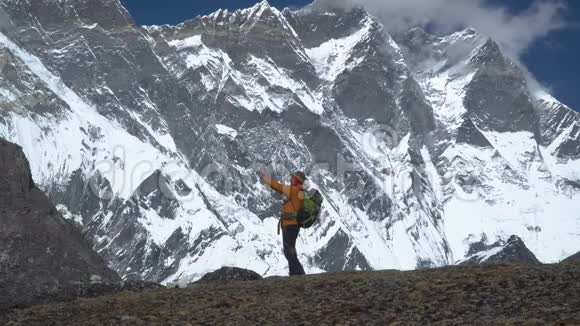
x=151, y=137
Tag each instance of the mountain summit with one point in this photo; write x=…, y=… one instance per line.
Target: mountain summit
x=150, y=137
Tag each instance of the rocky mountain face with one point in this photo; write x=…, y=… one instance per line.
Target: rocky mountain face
x=41, y=253
x=150, y=137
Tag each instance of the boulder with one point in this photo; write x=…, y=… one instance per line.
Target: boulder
x=231, y=274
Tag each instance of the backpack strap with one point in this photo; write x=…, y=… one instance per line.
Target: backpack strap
x=289, y=215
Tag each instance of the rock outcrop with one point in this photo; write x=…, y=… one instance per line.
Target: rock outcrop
x=41, y=254
x=231, y=274
x=574, y=259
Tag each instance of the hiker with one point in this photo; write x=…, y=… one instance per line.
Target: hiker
x=293, y=199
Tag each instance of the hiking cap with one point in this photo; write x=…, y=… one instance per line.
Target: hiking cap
x=300, y=176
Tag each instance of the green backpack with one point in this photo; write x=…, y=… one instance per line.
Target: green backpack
x=311, y=207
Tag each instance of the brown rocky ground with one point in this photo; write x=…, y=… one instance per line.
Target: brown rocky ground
x=494, y=294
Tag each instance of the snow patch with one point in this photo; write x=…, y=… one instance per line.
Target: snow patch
x=281, y=78
x=334, y=57
x=226, y=131
x=66, y=214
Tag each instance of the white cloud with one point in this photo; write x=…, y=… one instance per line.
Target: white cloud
x=515, y=33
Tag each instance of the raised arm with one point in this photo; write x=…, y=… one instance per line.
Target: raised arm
x=283, y=189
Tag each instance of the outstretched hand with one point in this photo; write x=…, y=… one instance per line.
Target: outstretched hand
x=263, y=173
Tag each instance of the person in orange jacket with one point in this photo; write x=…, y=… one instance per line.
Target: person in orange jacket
x=293, y=198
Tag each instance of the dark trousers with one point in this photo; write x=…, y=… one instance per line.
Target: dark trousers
x=289, y=236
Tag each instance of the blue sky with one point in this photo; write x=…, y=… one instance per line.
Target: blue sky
x=553, y=59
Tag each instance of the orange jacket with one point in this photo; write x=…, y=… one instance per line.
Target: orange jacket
x=293, y=195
